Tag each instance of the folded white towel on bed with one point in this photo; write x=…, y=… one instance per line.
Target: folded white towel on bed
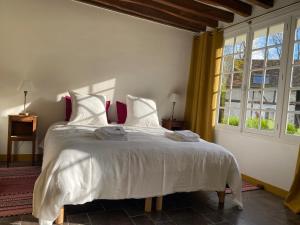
x=183, y=135
x=113, y=133
x=113, y=130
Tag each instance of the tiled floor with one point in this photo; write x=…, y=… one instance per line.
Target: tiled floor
x=200, y=208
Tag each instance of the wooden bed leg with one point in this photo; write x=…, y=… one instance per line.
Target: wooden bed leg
x=148, y=205
x=60, y=218
x=221, y=196
x=159, y=203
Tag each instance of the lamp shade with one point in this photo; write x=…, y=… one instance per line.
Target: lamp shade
x=26, y=85
x=173, y=97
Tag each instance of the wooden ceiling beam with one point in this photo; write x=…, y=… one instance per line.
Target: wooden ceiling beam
x=263, y=3
x=197, y=19
x=235, y=6
x=152, y=14
x=199, y=9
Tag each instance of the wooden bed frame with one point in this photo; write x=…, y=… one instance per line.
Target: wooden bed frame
x=148, y=205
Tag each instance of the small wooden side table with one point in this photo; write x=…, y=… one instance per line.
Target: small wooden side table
x=173, y=124
x=21, y=128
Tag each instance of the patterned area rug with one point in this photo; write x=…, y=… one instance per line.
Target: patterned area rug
x=246, y=187
x=16, y=187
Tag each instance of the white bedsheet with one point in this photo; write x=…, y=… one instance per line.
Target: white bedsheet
x=78, y=168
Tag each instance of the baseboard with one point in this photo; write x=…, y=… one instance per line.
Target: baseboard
x=268, y=187
x=23, y=157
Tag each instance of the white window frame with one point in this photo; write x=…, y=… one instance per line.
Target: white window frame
x=229, y=35
x=289, y=17
x=280, y=89
x=293, y=24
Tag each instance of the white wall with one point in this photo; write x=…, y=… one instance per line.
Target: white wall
x=268, y=159
x=263, y=158
x=62, y=44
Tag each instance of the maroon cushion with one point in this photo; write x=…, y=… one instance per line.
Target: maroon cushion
x=68, y=101
x=121, y=112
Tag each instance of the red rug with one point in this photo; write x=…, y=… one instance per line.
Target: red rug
x=246, y=187
x=16, y=187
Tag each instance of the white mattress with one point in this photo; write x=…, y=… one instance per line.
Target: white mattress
x=78, y=168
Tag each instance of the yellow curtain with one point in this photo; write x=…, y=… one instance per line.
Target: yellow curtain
x=202, y=91
x=292, y=201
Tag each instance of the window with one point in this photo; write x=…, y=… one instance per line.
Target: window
x=260, y=78
x=232, y=77
x=293, y=115
x=264, y=72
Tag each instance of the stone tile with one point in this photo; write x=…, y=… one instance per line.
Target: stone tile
x=214, y=217
x=24, y=223
x=142, y=220
x=10, y=219
x=82, y=219
x=115, y=217
x=134, y=210
x=29, y=218
x=159, y=216
x=187, y=216
x=165, y=223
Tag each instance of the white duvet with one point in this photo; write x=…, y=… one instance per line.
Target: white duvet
x=78, y=168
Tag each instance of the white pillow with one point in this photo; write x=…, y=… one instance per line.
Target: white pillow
x=88, y=109
x=141, y=112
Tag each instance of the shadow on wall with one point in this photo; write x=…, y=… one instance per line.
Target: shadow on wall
x=49, y=104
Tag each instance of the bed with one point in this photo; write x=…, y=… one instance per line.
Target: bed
x=78, y=168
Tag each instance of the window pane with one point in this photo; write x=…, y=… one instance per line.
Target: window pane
x=276, y=34
x=267, y=121
x=240, y=43
x=272, y=77
x=228, y=64
x=293, y=124
x=234, y=118
x=228, y=46
x=227, y=98
x=269, y=100
x=252, y=119
x=257, y=61
x=296, y=56
x=237, y=80
x=294, y=101
x=226, y=81
x=239, y=62
x=273, y=56
x=223, y=116
x=257, y=79
x=254, y=99
x=236, y=95
x=259, y=39
x=296, y=76
x=297, y=32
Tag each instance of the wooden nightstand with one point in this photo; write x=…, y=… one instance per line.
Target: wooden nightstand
x=173, y=124
x=21, y=128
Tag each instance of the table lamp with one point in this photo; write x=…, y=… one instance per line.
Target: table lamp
x=173, y=99
x=26, y=86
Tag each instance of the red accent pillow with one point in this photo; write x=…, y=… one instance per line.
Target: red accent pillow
x=68, y=101
x=121, y=112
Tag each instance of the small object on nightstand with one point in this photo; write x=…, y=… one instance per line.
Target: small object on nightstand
x=25, y=86
x=173, y=124
x=173, y=99
x=21, y=128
